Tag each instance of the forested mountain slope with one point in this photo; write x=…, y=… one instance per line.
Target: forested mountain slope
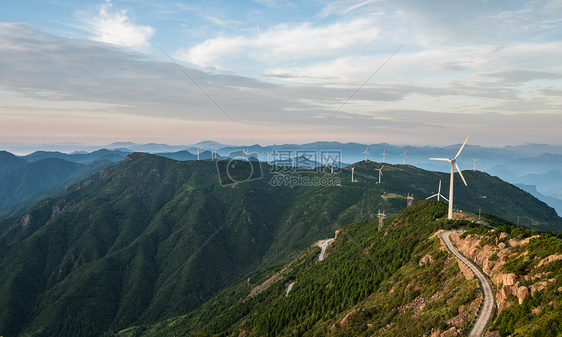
x=153, y=238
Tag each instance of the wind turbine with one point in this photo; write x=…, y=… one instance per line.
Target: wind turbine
x=380, y=173
x=268, y=154
x=326, y=157
x=245, y=154
x=454, y=164
x=475, y=160
x=197, y=147
x=438, y=195
x=352, y=171
x=366, y=153
x=405, y=156
x=384, y=154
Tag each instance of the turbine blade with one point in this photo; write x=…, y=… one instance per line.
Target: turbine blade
x=440, y=159
x=447, y=200
x=462, y=147
x=459, y=170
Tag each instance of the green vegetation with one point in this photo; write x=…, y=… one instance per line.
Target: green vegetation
x=376, y=275
x=153, y=238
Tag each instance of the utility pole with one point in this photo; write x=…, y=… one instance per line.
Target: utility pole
x=410, y=199
x=381, y=217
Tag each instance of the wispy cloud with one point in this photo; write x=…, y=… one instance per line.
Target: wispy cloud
x=276, y=3
x=283, y=43
x=116, y=27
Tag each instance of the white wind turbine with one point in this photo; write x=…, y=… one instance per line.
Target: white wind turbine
x=197, y=147
x=405, y=156
x=454, y=164
x=366, y=153
x=268, y=161
x=384, y=154
x=380, y=173
x=326, y=157
x=352, y=171
x=212, y=154
x=438, y=195
x=245, y=154
x=475, y=160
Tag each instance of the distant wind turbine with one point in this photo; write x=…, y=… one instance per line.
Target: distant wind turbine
x=197, y=147
x=438, y=195
x=405, y=156
x=366, y=153
x=352, y=171
x=380, y=173
x=212, y=154
x=454, y=164
x=384, y=154
x=475, y=160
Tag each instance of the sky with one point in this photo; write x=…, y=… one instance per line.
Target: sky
x=404, y=72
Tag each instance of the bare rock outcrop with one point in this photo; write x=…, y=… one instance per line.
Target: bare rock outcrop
x=491, y=258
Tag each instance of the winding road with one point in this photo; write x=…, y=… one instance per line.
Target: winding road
x=324, y=244
x=488, y=308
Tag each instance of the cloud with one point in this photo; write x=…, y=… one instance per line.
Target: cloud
x=276, y=3
x=517, y=77
x=116, y=27
x=343, y=7
x=283, y=43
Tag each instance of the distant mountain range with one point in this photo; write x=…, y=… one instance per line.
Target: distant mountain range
x=538, y=165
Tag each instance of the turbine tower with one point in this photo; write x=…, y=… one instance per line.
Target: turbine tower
x=366, y=153
x=405, y=156
x=197, y=147
x=384, y=154
x=212, y=154
x=352, y=171
x=454, y=164
x=438, y=195
x=475, y=160
x=380, y=173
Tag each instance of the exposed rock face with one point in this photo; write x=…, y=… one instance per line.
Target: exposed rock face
x=549, y=259
x=491, y=259
x=346, y=319
x=452, y=331
x=428, y=259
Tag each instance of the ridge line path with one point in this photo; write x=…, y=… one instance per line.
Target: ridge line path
x=488, y=308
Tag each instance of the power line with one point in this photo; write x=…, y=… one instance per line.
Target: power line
x=198, y=86
x=362, y=85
